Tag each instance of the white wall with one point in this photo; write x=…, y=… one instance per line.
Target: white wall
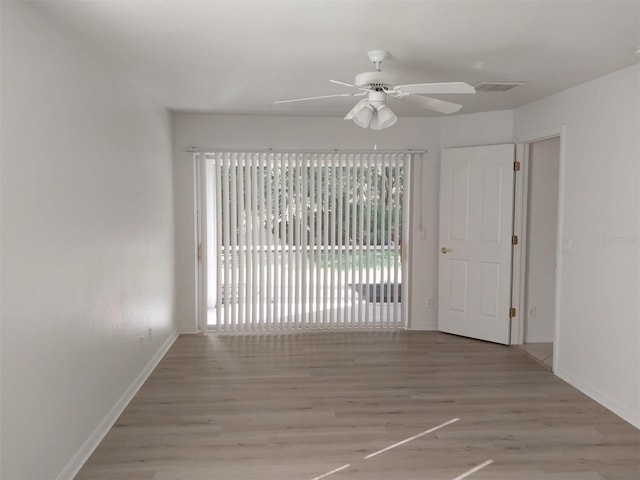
x=542, y=222
x=477, y=129
x=238, y=132
x=87, y=245
x=598, y=341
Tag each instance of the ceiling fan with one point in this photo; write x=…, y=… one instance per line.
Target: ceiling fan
x=373, y=112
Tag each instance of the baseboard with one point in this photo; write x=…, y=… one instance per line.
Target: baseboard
x=539, y=340
x=425, y=327
x=603, y=399
x=74, y=465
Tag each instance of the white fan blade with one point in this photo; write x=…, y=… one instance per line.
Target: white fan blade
x=435, y=88
x=316, y=98
x=342, y=83
x=434, y=104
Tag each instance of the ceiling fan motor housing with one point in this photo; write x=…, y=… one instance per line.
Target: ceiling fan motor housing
x=376, y=99
x=377, y=81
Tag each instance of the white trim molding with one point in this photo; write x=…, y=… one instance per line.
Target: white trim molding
x=519, y=269
x=76, y=462
x=602, y=398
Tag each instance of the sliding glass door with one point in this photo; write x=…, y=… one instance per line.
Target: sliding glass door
x=305, y=240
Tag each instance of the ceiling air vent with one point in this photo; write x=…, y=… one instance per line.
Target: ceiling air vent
x=497, y=87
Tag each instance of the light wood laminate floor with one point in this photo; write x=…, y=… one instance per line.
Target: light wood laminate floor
x=296, y=407
x=540, y=352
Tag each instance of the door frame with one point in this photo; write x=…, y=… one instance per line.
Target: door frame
x=202, y=212
x=519, y=273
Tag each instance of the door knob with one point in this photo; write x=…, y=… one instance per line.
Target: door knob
x=444, y=250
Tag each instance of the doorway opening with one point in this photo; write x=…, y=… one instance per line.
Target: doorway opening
x=540, y=231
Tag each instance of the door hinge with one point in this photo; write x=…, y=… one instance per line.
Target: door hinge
x=516, y=166
x=512, y=312
x=514, y=239
x=199, y=252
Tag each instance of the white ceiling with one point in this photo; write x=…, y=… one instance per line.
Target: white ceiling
x=239, y=56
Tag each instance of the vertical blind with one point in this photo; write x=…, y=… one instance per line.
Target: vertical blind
x=307, y=240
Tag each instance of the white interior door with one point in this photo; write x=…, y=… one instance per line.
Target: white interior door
x=476, y=224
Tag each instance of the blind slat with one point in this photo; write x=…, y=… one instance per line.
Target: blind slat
x=304, y=301
x=340, y=243
x=248, y=242
x=346, y=290
x=255, y=215
x=220, y=270
x=242, y=284
x=325, y=268
x=225, y=212
x=384, y=240
x=361, y=260
x=270, y=264
x=291, y=275
x=234, y=299
x=318, y=240
x=370, y=287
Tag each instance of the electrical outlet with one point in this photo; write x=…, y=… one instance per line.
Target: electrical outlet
x=532, y=313
x=431, y=302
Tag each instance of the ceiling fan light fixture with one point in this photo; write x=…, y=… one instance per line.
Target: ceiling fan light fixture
x=358, y=106
x=372, y=112
x=364, y=116
x=383, y=118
